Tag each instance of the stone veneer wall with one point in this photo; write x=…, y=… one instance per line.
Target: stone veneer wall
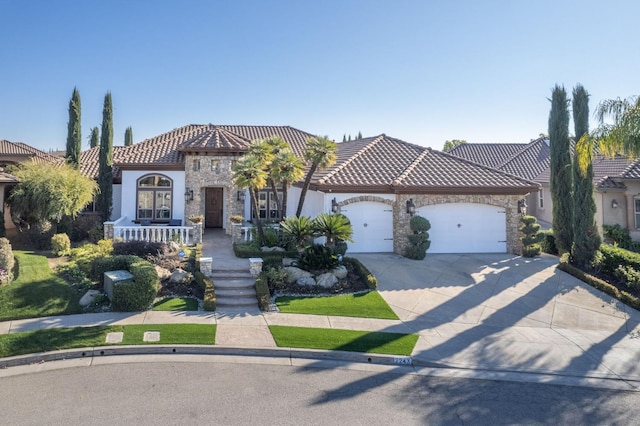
x=401, y=219
x=198, y=180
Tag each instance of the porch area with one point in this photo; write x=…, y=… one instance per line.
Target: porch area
x=173, y=231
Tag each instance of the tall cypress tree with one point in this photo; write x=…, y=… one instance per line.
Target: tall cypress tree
x=95, y=137
x=586, y=238
x=105, y=171
x=560, y=182
x=74, y=133
x=128, y=136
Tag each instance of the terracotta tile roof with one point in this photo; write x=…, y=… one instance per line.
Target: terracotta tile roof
x=387, y=164
x=89, y=161
x=489, y=154
x=215, y=137
x=7, y=178
x=18, y=151
x=296, y=138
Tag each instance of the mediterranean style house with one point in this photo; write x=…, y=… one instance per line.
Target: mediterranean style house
x=616, y=180
x=377, y=182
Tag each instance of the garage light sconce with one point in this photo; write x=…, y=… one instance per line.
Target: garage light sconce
x=334, y=206
x=614, y=204
x=522, y=207
x=188, y=195
x=411, y=208
x=240, y=196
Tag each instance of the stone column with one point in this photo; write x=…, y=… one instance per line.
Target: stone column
x=255, y=266
x=197, y=233
x=108, y=230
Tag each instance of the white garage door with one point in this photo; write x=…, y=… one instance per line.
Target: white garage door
x=372, y=227
x=466, y=228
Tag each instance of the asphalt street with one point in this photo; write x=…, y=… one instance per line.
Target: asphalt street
x=181, y=393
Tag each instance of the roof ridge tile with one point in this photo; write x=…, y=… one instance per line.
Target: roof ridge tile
x=351, y=159
x=410, y=168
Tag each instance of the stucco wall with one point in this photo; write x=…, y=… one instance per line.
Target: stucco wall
x=128, y=188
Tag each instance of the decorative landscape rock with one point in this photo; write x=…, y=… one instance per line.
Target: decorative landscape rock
x=179, y=276
x=340, y=272
x=89, y=297
x=163, y=273
x=174, y=247
x=265, y=248
x=287, y=261
x=326, y=280
x=294, y=274
x=306, y=281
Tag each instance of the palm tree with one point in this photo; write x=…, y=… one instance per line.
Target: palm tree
x=333, y=227
x=266, y=150
x=248, y=172
x=286, y=168
x=299, y=231
x=321, y=152
x=623, y=136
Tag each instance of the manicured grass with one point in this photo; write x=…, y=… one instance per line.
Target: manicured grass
x=171, y=334
x=344, y=340
x=52, y=339
x=36, y=291
x=80, y=337
x=176, y=304
x=364, y=305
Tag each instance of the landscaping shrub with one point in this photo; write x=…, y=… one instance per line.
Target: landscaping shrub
x=317, y=258
x=84, y=255
x=365, y=275
x=531, y=236
x=630, y=276
x=111, y=263
x=85, y=223
x=40, y=235
x=95, y=234
x=276, y=278
x=548, y=242
x=419, y=240
x=139, y=248
x=618, y=234
x=209, y=299
x=612, y=257
x=60, y=244
x=274, y=258
x=298, y=231
x=262, y=292
x=135, y=294
x=334, y=227
x=271, y=237
x=7, y=261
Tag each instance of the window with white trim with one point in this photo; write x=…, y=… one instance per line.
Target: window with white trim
x=540, y=199
x=154, y=198
x=267, y=206
x=636, y=204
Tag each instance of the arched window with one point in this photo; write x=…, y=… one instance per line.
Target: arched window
x=154, y=198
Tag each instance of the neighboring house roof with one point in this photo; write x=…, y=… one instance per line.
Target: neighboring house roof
x=489, y=154
x=386, y=164
x=16, y=152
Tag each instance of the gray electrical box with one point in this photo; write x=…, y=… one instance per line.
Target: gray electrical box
x=111, y=278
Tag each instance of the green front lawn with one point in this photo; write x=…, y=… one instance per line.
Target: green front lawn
x=363, y=305
x=36, y=290
x=344, y=340
x=176, y=304
x=81, y=337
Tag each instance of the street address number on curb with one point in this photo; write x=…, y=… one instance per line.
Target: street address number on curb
x=401, y=360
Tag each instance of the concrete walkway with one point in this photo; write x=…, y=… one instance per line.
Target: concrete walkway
x=474, y=313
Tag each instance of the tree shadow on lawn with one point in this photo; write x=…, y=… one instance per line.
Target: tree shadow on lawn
x=38, y=299
x=482, y=335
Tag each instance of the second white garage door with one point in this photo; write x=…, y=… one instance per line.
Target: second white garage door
x=466, y=228
x=372, y=227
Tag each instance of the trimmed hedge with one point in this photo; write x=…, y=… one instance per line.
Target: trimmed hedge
x=262, y=292
x=362, y=272
x=601, y=285
x=209, y=300
x=132, y=295
x=612, y=257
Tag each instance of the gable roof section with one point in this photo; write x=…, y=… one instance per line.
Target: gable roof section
x=386, y=164
x=16, y=152
x=489, y=154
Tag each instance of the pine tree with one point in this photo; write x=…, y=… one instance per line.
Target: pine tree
x=586, y=238
x=105, y=172
x=95, y=137
x=560, y=181
x=344, y=137
x=359, y=135
x=128, y=136
x=74, y=134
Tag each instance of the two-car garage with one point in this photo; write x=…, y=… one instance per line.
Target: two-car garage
x=455, y=227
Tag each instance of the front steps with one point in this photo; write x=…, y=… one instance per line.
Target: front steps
x=234, y=288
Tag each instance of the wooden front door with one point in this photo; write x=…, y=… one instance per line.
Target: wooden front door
x=213, y=208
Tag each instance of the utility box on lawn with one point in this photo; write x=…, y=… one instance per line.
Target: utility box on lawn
x=111, y=278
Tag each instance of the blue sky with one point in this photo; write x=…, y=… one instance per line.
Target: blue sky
x=422, y=71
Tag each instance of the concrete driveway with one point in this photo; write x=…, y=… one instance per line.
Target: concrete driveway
x=506, y=313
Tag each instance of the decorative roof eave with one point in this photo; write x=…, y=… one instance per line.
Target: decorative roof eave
x=151, y=166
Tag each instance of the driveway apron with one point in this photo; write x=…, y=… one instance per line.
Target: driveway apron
x=505, y=312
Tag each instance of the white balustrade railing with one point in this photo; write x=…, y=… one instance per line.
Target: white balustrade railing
x=249, y=232
x=153, y=233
